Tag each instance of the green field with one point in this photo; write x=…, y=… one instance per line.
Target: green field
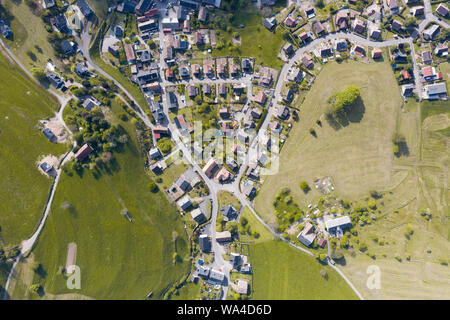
x=118, y=258
x=357, y=153
x=282, y=272
x=359, y=158
x=30, y=43
x=24, y=189
x=256, y=40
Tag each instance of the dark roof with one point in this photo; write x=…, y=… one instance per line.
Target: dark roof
x=84, y=8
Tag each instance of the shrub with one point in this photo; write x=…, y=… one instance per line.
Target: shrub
x=304, y=186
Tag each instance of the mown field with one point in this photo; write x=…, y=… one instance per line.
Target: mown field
x=24, y=189
x=118, y=259
x=357, y=154
x=282, y=272
x=359, y=158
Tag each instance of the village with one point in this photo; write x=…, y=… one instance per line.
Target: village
x=167, y=50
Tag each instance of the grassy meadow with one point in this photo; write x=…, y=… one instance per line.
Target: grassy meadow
x=118, y=258
x=24, y=189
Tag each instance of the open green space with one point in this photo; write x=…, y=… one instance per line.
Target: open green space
x=356, y=151
x=24, y=189
x=30, y=43
x=255, y=40
x=227, y=198
x=283, y=272
x=126, y=236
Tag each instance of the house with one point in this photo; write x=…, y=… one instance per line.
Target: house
x=221, y=69
x=359, y=50
x=307, y=235
x=426, y=57
x=377, y=53
x=295, y=75
x=5, y=30
x=66, y=47
x=198, y=215
x=47, y=4
x=396, y=25
x=234, y=70
x=90, y=103
x=407, y=90
x=210, y=168
x=150, y=25
x=159, y=131
x=49, y=134
x=195, y=68
x=114, y=49
x=192, y=91
x=260, y=98
x=229, y=212
x=374, y=12
x=441, y=50
x=282, y=112
x=342, y=20
x=417, y=11
x=326, y=51
x=203, y=272
x=235, y=260
x=255, y=113
x=322, y=242
x=81, y=70
x=288, y=49
x=246, y=269
x=146, y=76
x=144, y=56
x=129, y=53
x=169, y=74
x=405, y=75
x=222, y=89
x=246, y=65
x=248, y=190
x=442, y=10
x=184, y=72
x=307, y=61
x=431, y=32
x=154, y=153
x=435, y=91
x=304, y=36
x=289, y=22
x=60, y=23
x=375, y=34
x=168, y=53
x=318, y=27
x=270, y=23
x=198, y=38
x=172, y=100
x=85, y=9
x=185, y=202
x=206, y=89
x=359, y=26
x=83, y=152
x=216, y=277
x=224, y=236
x=398, y=55
x=204, y=243
x=208, y=70
x=202, y=14
x=393, y=5
x=310, y=13
x=223, y=175
x=46, y=167
x=341, y=45
x=55, y=81
x=337, y=225
x=429, y=73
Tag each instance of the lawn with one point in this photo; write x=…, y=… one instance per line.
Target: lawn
x=24, y=189
x=118, y=258
x=283, y=272
x=255, y=225
x=256, y=40
x=357, y=153
x=30, y=43
x=225, y=198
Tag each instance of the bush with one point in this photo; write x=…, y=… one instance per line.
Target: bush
x=304, y=186
x=153, y=187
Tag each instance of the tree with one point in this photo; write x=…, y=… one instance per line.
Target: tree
x=345, y=98
x=410, y=22
x=39, y=74
x=304, y=186
x=152, y=186
x=320, y=4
